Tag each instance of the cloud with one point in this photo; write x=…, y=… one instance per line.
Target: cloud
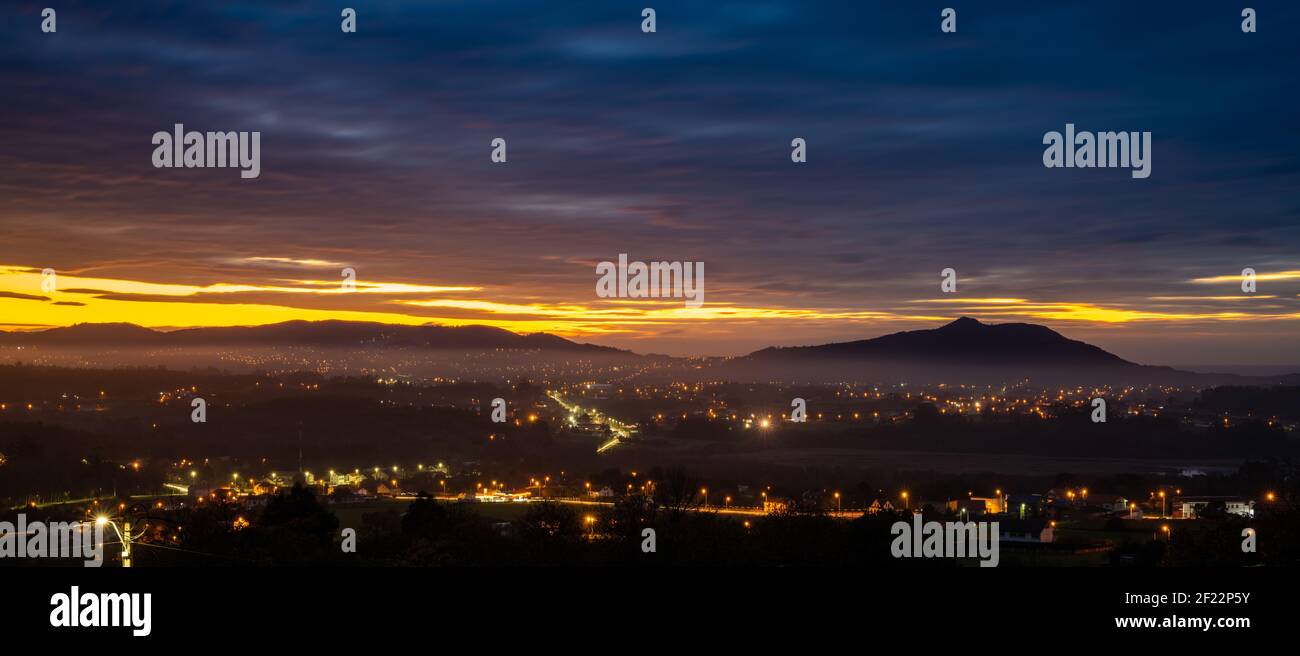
x=26, y=297
x=924, y=153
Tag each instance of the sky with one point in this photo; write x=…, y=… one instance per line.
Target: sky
x=924, y=152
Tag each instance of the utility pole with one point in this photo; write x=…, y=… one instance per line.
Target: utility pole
x=123, y=535
x=126, y=544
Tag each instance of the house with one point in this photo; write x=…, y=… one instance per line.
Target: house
x=264, y=486
x=876, y=506
x=972, y=506
x=1114, y=504
x=1027, y=531
x=1193, y=507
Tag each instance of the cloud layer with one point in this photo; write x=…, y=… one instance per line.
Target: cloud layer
x=924, y=153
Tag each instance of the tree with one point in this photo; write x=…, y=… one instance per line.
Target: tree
x=295, y=529
x=551, y=533
x=676, y=490
x=425, y=518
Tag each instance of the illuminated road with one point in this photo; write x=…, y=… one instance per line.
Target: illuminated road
x=69, y=502
x=724, y=510
x=620, y=430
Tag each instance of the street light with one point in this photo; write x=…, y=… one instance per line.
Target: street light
x=837, y=502
x=905, y=506
x=123, y=534
x=705, y=491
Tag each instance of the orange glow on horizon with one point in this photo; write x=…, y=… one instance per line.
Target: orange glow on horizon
x=77, y=299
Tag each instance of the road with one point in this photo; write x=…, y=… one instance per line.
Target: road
x=620, y=430
x=721, y=510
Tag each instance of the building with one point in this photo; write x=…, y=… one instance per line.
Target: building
x=497, y=496
x=285, y=478
x=1193, y=507
x=265, y=486
x=775, y=505
x=1035, y=531
x=1025, y=505
x=1114, y=504
x=346, y=478
x=975, y=506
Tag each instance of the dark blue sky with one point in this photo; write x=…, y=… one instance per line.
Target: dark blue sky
x=925, y=152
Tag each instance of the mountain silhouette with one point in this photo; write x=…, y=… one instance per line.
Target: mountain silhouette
x=323, y=334
x=964, y=340
x=89, y=334
x=963, y=351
